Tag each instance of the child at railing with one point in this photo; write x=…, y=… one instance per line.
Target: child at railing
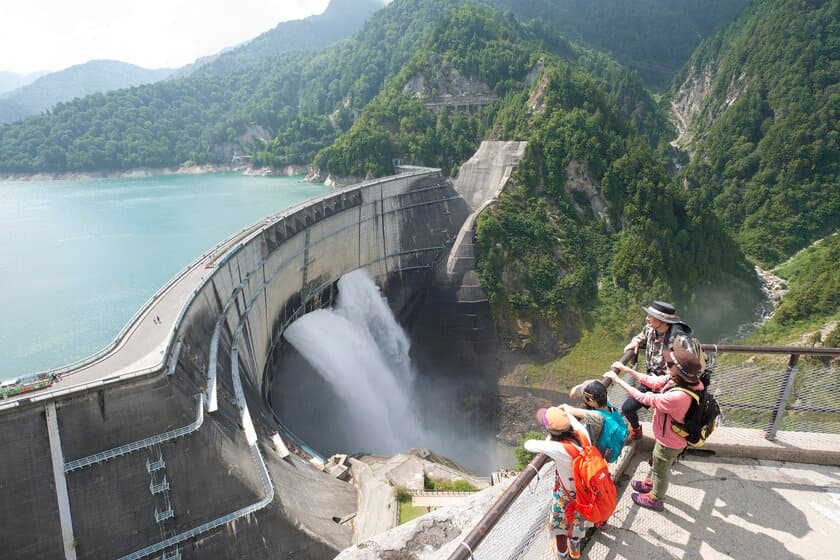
x=566, y=540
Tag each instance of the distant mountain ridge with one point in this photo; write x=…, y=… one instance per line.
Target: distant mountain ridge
x=13, y=80
x=77, y=81
x=341, y=19
x=653, y=37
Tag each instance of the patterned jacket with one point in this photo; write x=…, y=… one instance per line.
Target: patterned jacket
x=654, y=345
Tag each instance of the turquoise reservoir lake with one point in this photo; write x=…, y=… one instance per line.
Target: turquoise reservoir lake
x=79, y=258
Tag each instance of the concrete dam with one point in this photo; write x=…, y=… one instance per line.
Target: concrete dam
x=168, y=447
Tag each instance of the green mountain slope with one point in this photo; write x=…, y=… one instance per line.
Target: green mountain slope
x=204, y=118
x=810, y=311
x=761, y=102
x=653, y=37
x=595, y=220
x=77, y=81
x=594, y=224
x=301, y=100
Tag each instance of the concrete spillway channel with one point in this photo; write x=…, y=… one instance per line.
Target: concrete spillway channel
x=179, y=457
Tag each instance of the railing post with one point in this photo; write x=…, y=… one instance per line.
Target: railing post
x=784, y=395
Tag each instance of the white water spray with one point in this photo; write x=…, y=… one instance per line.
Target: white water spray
x=363, y=353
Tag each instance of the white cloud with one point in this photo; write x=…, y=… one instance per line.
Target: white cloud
x=49, y=35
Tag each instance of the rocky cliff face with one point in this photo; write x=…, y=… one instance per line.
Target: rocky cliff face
x=448, y=82
x=584, y=192
x=690, y=102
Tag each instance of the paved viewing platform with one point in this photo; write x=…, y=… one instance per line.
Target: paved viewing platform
x=742, y=498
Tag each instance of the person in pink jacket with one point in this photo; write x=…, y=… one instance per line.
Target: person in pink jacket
x=668, y=406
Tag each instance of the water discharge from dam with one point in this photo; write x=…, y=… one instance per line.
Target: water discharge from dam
x=369, y=399
x=362, y=352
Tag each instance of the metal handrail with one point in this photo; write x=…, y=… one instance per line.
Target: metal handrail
x=473, y=539
x=466, y=547
x=138, y=445
x=802, y=350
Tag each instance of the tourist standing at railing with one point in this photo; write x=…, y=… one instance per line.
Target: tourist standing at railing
x=662, y=328
x=594, y=398
x=668, y=407
x=565, y=538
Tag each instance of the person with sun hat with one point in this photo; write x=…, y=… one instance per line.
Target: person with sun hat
x=662, y=329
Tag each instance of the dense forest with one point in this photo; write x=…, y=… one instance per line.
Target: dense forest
x=543, y=252
x=304, y=100
x=652, y=37
x=766, y=149
x=757, y=177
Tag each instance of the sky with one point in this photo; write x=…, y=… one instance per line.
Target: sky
x=41, y=35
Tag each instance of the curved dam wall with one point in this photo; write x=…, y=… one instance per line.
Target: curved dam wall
x=187, y=460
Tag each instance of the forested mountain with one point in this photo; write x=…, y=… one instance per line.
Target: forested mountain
x=301, y=101
x=341, y=19
x=552, y=250
x=201, y=118
x=653, y=37
x=77, y=81
x=761, y=103
x=596, y=219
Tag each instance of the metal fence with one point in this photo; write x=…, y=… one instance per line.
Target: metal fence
x=768, y=388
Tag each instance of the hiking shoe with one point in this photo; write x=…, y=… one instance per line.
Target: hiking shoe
x=648, y=501
x=574, y=548
x=642, y=486
x=634, y=434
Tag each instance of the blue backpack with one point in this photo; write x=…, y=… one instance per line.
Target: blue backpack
x=613, y=434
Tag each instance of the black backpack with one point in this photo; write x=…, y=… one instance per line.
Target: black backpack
x=701, y=418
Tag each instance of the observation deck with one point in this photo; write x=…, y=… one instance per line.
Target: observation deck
x=766, y=484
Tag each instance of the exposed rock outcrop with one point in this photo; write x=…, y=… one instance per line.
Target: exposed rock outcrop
x=536, y=100
x=580, y=186
x=689, y=103
x=450, y=88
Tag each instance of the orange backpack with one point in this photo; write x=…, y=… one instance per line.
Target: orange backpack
x=595, y=496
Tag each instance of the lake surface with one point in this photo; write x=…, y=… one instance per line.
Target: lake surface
x=79, y=258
